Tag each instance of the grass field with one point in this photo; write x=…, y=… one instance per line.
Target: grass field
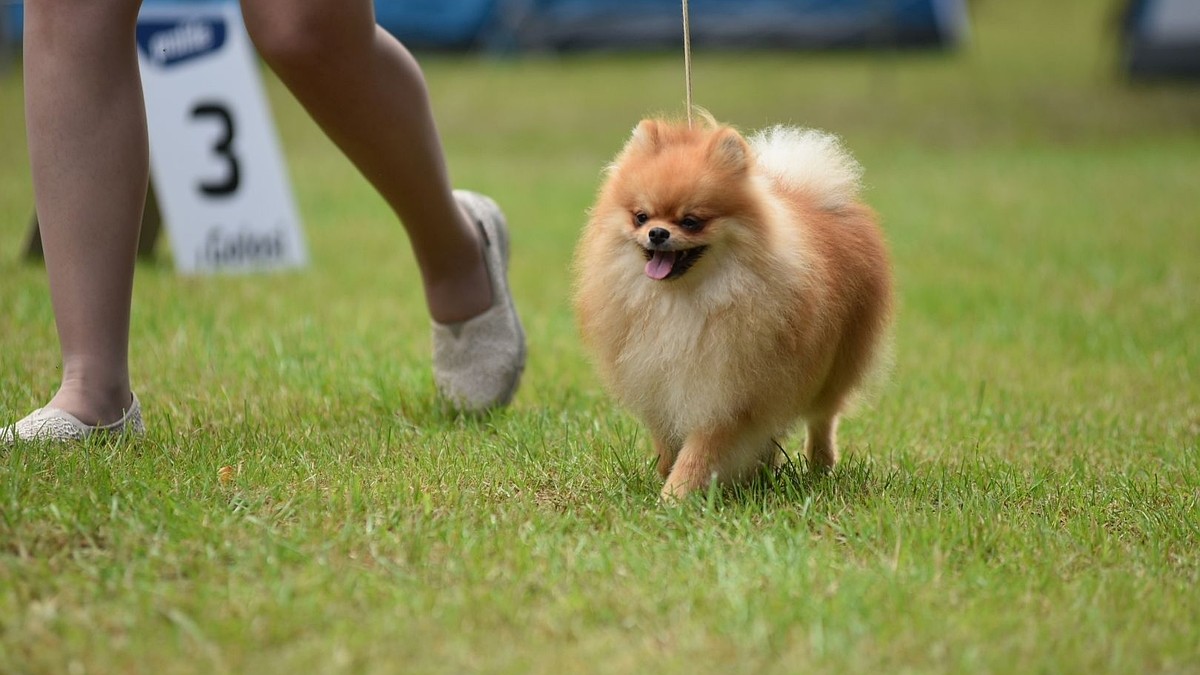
x=1023, y=497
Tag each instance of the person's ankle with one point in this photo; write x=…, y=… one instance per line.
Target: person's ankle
x=458, y=297
x=457, y=292
x=93, y=405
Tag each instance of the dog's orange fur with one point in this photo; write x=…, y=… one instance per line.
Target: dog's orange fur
x=780, y=319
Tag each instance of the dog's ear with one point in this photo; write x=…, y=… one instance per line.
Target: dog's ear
x=729, y=151
x=646, y=136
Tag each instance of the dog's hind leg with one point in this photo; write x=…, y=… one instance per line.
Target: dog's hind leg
x=667, y=451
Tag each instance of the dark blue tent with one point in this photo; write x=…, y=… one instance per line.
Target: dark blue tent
x=424, y=23
x=1161, y=38
x=442, y=24
x=791, y=24
x=12, y=15
x=653, y=24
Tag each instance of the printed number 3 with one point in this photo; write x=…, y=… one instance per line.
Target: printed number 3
x=223, y=148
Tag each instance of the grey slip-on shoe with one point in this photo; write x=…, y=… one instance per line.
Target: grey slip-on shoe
x=477, y=363
x=52, y=424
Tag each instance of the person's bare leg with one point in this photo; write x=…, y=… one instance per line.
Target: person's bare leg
x=89, y=161
x=367, y=93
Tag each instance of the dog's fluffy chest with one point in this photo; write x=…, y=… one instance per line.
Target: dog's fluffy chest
x=689, y=359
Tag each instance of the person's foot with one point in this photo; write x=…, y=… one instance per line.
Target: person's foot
x=477, y=363
x=54, y=424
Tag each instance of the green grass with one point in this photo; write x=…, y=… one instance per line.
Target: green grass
x=1023, y=497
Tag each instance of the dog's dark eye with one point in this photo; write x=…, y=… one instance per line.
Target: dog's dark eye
x=640, y=218
x=691, y=223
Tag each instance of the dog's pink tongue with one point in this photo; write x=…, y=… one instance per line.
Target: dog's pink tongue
x=660, y=264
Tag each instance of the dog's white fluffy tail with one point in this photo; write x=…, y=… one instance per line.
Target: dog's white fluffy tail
x=810, y=161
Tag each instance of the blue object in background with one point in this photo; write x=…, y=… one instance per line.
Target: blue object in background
x=555, y=25
x=1161, y=39
x=11, y=22
x=784, y=24
x=447, y=24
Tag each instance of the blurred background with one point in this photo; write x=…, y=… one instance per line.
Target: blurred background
x=1158, y=37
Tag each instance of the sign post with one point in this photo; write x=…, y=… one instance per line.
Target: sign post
x=217, y=174
x=215, y=160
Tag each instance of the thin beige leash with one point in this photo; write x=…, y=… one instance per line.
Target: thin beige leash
x=687, y=60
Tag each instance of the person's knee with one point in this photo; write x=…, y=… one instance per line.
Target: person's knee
x=300, y=40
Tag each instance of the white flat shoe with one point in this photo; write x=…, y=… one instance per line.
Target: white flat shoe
x=52, y=424
x=477, y=363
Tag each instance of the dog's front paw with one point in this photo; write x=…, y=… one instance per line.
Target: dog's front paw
x=686, y=478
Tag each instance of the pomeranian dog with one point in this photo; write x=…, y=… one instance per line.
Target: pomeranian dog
x=728, y=289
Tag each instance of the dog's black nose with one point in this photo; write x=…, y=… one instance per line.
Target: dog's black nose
x=658, y=235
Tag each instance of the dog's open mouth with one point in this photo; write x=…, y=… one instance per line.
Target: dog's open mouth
x=671, y=264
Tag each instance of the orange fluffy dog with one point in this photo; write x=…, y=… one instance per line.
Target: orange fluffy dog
x=728, y=289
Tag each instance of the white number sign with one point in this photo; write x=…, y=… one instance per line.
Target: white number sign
x=214, y=157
